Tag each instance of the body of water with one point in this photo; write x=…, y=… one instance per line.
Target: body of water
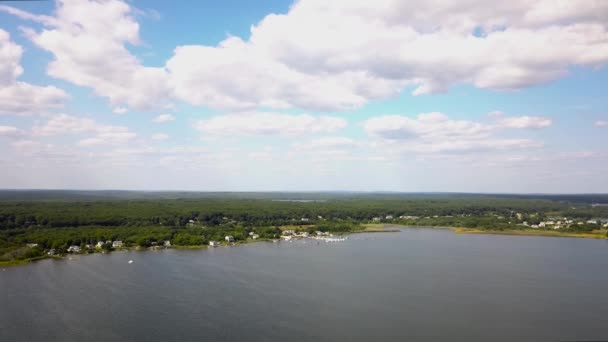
x=414, y=285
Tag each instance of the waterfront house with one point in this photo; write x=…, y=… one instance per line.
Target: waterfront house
x=117, y=244
x=32, y=245
x=229, y=238
x=255, y=236
x=389, y=217
x=53, y=252
x=288, y=232
x=304, y=219
x=214, y=244
x=74, y=249
x=167, y=243
x=99, y=244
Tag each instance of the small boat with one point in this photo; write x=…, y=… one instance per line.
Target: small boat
x=130, y=261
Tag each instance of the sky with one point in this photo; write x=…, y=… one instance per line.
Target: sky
x=314, y=95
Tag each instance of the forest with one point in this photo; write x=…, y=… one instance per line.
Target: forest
x=59, y=219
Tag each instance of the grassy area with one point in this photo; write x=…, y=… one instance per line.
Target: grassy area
x=24, y=261
x=379, y=228
x=599, y=234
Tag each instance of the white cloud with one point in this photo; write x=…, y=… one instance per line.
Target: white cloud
x=327, y=143
x=426, y=125
x=101, y=134
x=526, y=122
x=92, y=53
x=160, y=136
x=20, y=98
x=601, y=123
x=267, y=123
x=329, y=55
x=436, y=133
x=10, y=132
x=163, y=118
x=344, y=53
x=120, y=110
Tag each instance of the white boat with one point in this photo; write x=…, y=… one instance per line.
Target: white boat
x=130, y=261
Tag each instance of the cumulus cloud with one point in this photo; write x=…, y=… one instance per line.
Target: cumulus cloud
x=163, y=118
x=329, y=55
x=20, y=98
x=436, y=132
x=526, y=122
x=100, y=134
x=92, y=53
x=355, y=51
x=268, y=123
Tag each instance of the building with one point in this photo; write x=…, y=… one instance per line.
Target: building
x=255, y=236
x=288, y=232
x=167, y=243
x=53, y=252
x=32, y=245
x=117, y=244
x=99, y=244
x=389, y=217
x=229, y=238
x=214, y=244
x=74, y=249
x=304, y=219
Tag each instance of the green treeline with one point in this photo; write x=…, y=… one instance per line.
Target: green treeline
x=60, y=223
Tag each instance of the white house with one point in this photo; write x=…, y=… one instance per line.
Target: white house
x=288, y=232
x=214, y=244
x=99, y=244
x=117, y=244
x=304, y=219
x=74, y=249
x=229, y=238
x=389, y=217
x=32, y=245
x=255, y=236
x=167, y=243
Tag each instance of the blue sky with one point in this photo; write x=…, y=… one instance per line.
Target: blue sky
x=347, y=95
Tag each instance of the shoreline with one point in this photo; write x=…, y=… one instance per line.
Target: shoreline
x=512, y=232
x=367, y=228
x=14, y=263
x=527, y=232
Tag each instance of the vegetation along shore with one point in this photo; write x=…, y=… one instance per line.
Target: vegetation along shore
x=41, y=224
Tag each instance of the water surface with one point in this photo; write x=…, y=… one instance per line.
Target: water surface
x=417, y=285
